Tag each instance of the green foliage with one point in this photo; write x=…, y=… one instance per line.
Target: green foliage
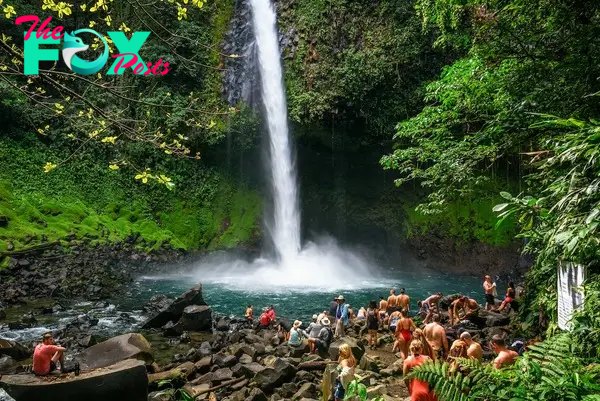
x=356, y=390
x=547, y=371
x=355, y=62
x=88, y=201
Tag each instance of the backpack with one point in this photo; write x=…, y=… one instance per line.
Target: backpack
x=328, y=336
x=371, y=316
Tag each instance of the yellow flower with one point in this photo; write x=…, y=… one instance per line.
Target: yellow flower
x=113, y=166
x=108, y=20
x=144, y=176
x=109, y=139
x=99, y=76
x=92, y=23
x=48, y=4
x=3, y=67
x=93, y=134
x=40, y=131
x=49, y=167
x=83, y=7
x=63, y=9
x=9, y=11
x=124, y=28
x=181, y=13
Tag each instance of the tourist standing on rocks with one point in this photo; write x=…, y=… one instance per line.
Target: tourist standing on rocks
x=341, y=316
x=313, y=329
x=403, y=300
x=505, y=356
x=333, y=308
x=392, y=302
x=393, y=321
x=296, y=334
x=249, y=314
x=46, y=355
x=488, y=288
x=404, y=333
x=474, y=350
x=436, y=337
x=383, y=305
x=418, y=389
x=323, y=339
x=373, y=321
x=346, y=367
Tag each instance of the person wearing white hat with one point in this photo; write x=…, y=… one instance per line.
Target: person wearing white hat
x=296, y=334
x=323, y=339
x=313, y=329
x=341, y=316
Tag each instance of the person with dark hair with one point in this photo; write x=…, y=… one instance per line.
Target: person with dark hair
x=373, y=320
x=508, y=302
x=436, y=337
x=505, y=357
x=333, y=307
x=271, y=313
x=46, y=355
x=403, y=300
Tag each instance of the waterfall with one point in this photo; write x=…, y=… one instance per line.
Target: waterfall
x=285, y=225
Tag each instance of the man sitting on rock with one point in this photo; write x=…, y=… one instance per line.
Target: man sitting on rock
x=46, y=355
x=323, y=339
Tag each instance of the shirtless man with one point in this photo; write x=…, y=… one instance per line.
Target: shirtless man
x=382, y=308
x=436, y=337
x=392, y=302
x=505, y=356
x=428, y=304
x=474, y=351
x=403, y=300
x=464, y=304
x=488, y=288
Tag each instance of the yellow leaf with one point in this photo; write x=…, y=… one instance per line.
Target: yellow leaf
x=113, y=167
x=49, y=167
x=99, y=76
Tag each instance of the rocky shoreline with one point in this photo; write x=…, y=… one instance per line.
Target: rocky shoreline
x=221, y=358
x=74, y=271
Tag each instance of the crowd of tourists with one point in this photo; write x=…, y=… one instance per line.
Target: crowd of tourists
x=415, y=345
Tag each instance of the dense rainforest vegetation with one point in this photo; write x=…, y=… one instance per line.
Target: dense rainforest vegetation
x=495, y=104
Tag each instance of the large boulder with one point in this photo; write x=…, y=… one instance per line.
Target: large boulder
x=196, y=318
x=445, y=301
x=7, y=364
x=483, y=318
x=172, y=311
x=126, y=380
x=276, y=372
x=358, y=350
x=15, y=350
x=113, y=350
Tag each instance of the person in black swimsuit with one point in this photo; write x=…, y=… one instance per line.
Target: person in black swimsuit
x=373, y=320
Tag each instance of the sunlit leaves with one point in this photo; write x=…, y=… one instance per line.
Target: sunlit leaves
x=49, y=167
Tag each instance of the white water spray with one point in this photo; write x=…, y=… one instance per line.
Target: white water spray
x=285, y=227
